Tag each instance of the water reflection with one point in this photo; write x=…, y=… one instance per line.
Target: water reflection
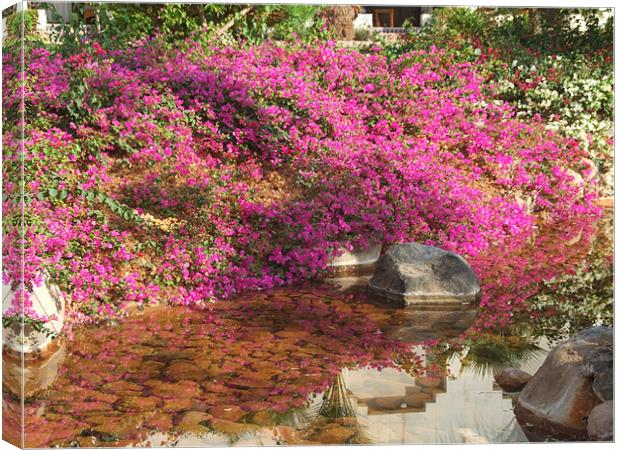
x=237, y=368
x=400, y=409
x=310, y=365
x=489, y=353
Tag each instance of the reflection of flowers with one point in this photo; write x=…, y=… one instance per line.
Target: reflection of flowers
x=145, y=372
x=577, y=300
x=525, y=279
x=514, y=271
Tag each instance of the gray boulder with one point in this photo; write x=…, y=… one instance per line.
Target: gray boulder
x=601, y=422
x=409, y=274
x=600, y=366
x=560, y=396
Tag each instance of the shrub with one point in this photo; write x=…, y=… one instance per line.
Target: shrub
x=541, y=63
x=193, y=173
x=120, y=25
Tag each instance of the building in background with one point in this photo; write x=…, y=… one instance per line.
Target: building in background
x=396, y=17
x=383, y=19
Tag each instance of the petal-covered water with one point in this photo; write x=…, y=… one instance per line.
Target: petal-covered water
x=313, y=364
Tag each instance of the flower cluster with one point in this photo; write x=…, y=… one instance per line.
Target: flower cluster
x=192, y=174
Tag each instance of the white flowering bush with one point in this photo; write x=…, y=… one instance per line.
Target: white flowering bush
x=557, y=66
x=573, y=95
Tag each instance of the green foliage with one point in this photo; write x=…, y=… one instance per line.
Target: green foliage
x=552, y=30
x=79, y=98
x=69, y=35
x=118, y=25
x=517, y=30
x=21, y=24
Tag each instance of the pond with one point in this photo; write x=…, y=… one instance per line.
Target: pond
x=320, y=363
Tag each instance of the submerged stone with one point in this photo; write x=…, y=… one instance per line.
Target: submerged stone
x=159, y=422
x=409, y=274
x=185, y=370
x=231, y=413
x=232, y=428
x=137, y=404
x=334, y=434
x=177, y=404
x=122, y=387
x=264, y=418
x=195, y=422
x=185, y=389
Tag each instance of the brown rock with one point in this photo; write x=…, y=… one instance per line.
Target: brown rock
x=293, y=334
x=184, y=389
x=171, y=355
x=161, y=422
x=195, y=422
x=245, y=383
x=87, y=442
x=264, y=418
x=259, y=336
x=512, y=379
x=177, y=404
x=183, y=370
x=287, y=434
x=120, y=426
x=87, y=394
x=82, y=408
x=334, y=434
x=122, y=387
x=93, y=419
x=255, y=405
x=85, y=348
x=231, y=428
x=348, y=421
x=601, y=422
x=137, y=404
x=217, y=388
x=231, y=413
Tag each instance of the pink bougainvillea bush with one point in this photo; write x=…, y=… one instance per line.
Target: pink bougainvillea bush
x=188, y=175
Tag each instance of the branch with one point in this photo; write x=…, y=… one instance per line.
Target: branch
x=232, y=21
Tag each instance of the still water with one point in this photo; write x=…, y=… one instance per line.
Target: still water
x=319, y=363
